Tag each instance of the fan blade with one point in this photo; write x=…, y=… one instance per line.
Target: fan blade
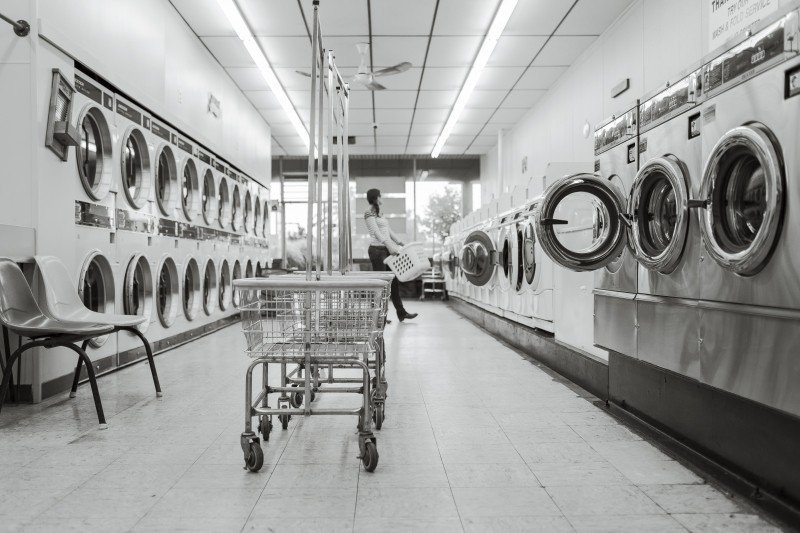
x=397, y=69
x=374, y=86
x=306, y=74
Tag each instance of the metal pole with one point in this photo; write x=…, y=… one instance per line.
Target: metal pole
x=346, y=170
x=283, y=216
x=414, y=210
x=311, y=139
x=331, y=125
x=320, y=159
x=343, y=214
x=21, y=27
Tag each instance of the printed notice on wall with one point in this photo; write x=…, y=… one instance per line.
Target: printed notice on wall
x=729, y=18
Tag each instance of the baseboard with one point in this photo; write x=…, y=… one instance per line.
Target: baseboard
x=581, y=368
x=112, y=363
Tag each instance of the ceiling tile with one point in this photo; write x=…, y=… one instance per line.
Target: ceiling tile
x=291, y=80
x=405, y=81
x=508, y=114
x=361, y=99
x=466, y=128
x=342, y=17
x=362, y=150
x=427, y=116
x=422, y=140
x=493, y=127
x=494, y=78
x=426, y=128
x=523, y=98
x=490, y=99
x=476, y=115
x=360, y=115
x=300, y=98
x=274, y=116
x=392, y=140
x=204, y=17
x=283, y=130
x=288, y=141
x=360, y=128
x=444, y=78
x=395, y=99
x=536, y=17
x=452, y=150
x=229, y=51
x=288, y=52
x=454, y=51
x=540, y=77
x=388, y=51
x=464, y=17
x=592, y=17
x=344, y=50
x=477, y=150
x=393, y=115
x=248, y=79
x=419, y=149
x=263, y=99
x=563, y=50
x=406, y=17
x=393, y=128
x=273, y=17
x=436, y=99
x=515, y=50
x=485, y=140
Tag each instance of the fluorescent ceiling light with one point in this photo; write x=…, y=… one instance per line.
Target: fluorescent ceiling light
x=241, y=28
x=487, y=47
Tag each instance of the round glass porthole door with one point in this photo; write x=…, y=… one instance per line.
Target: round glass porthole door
x=191, y=289
x=452, y=263
x=506, y=258
x=190, y=190
x=248, y=269
x=138, y=290
x=210, y=287
x=478, y=258
x=529, y=253
x=224, y=285
x=223, y=204
x=166, y=180
x=94, y=153
x=235, y=274
x=257, y=224
x=135, y=161
x=744, y=185
x=248, y=212
x=236, y=209
x=519, y=259
x=579, y=222
x=265, y=221
x=208, y=197
x=659, y=205
x=167, y=290
x=96, y=288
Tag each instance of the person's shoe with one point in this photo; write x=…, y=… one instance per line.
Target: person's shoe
x=407, y=315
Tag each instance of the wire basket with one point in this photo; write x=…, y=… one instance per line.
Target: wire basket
x=410, y=262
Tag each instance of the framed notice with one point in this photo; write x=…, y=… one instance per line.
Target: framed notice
x=730, y=18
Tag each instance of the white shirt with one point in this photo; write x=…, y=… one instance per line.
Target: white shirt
x=380, y=232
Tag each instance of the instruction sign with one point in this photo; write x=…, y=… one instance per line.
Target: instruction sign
x=729, y=18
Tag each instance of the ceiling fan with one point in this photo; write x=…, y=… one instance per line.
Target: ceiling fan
x=365, y=77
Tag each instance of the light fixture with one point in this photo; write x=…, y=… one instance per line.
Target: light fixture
x=236, y=19
x=487, y=47
x=424, y=175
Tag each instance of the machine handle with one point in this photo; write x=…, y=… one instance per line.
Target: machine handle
x=699, y=204
x=553, y=221
x=626, y=218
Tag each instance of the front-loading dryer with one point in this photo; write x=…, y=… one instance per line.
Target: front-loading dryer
x=664, y=231
x=750, y=305
x=534, y=279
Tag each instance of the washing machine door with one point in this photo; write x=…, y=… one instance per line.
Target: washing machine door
x=744, y=187
x=478, y=258
x=528, y=253
x=520, y=284
x=505, y=257
x=452, y=263
x=582, y=222
x=659, y=207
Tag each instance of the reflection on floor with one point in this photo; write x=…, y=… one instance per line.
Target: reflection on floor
x=476, y=438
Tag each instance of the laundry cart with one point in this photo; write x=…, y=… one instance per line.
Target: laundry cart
x=287, y=320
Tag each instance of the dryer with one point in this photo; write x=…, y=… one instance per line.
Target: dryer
x=750, y=305
x=534, y=281
x=664, y=232
x=508, y=298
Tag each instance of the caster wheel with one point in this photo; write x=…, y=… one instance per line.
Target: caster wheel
x=313, y=395
x=255, y=458
x=284, y=420
x=378, y=415
x=296, y=399
x=265, y=427
x=370, y=456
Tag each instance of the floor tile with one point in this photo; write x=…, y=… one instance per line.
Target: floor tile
x=405, y=503
x=329, y=476
x=600, y=473
x=602, y=500
x=655, y=473
x=490, y=475
x=626, y=524
x=521, y=524
x=679, y=499
x=405, y=476
x=723, y=523
x=305, y=503
x=496, y=501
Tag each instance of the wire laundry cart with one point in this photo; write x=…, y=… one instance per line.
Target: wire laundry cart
x=313, y=323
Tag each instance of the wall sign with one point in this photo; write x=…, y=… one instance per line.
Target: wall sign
x=729, y=18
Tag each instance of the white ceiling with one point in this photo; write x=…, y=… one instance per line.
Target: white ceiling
x=542, y=38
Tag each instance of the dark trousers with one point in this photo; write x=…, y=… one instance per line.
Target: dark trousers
x=376, y=256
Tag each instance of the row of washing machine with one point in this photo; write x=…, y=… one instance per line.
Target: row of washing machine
x=690, y=222
x=160, y=226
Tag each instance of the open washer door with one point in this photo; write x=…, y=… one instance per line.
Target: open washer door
x=528, y=253
x=744, y=186
x=582, y=222
x=478, y=258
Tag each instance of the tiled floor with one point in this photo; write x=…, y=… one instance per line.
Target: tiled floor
x=476, y=439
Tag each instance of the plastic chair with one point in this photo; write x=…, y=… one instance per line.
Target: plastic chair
x=20, y=314
x=61, y=301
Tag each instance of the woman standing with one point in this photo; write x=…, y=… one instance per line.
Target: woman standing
x=383, y=242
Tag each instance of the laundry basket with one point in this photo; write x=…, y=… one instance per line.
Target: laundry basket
x=410, y=262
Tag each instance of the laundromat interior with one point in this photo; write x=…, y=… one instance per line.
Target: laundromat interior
x=420, y=265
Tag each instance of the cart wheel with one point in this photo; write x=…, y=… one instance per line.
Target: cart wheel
x=378, y=415
x=313, y=395
x=255, y=458
x=284, y=420
x=265, y=427
x=296, y=398
x=370, y=456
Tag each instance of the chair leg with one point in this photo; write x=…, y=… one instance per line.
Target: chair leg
x=78, y=367
x=150, y=359
x=7, y=346
x=7, y=375
x=101, y=417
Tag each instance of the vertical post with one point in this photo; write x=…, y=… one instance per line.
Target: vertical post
x=414, y=208
x=320, y=157
x=283, y=216
x=344, y=215
x=311, y=140
x=346, y=168
x=332, y=126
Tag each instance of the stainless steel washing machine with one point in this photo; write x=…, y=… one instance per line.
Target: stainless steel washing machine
x=750, y=273
x=534, y=280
